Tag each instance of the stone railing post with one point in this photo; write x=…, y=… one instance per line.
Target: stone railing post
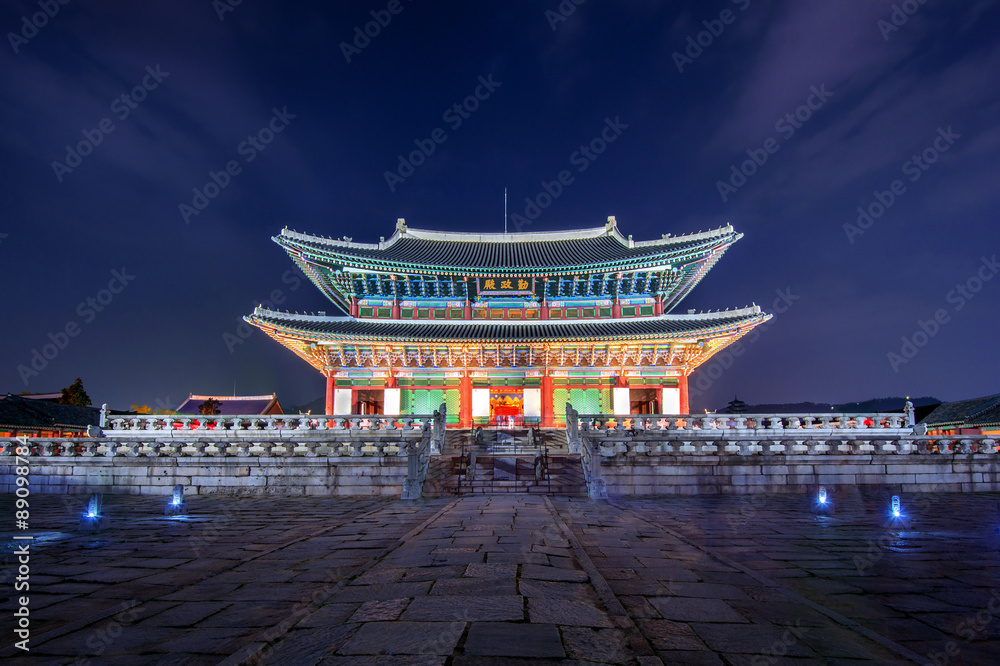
x=572, y=429
x=417, y=459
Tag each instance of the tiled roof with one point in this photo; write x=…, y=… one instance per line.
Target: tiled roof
x=968, y=413
x=487, y=331
x=18, y=412
x=598, y=248
x=231, y=405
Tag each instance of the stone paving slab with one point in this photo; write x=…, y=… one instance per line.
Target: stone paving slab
x=514, y=579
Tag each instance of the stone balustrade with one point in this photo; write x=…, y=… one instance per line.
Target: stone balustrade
x=613, y=445
x=278, y=426
x=90, y=447
x=721, y=424
x=763, y=434
x=307, y=455
x=746, y=453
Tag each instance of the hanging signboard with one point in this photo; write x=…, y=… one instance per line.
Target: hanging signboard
x=505, y=286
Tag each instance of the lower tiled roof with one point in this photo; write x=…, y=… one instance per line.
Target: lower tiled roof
x=492, y=331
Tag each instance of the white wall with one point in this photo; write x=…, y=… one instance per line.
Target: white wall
x=621, y=403
x=533, y=402
x=342, y=401
x=670, y=401
x=390, y=402
x=480, y=402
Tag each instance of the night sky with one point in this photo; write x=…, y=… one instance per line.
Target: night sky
x=842, y=104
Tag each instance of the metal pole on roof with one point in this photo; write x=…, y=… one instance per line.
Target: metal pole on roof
x=505, y=210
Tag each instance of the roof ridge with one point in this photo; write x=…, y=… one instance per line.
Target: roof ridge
x=196, y=396
x=608, y=230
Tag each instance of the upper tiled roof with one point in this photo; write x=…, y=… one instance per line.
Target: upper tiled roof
x=967, y=413
x=340, y=328
x=601, y=248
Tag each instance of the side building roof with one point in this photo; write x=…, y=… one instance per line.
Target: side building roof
x=17, y=412
x=972, y=413
x=233, y=404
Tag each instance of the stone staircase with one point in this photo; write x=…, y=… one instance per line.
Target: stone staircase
x=446, y=474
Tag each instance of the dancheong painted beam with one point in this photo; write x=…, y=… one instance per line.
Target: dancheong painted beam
x=507, y=328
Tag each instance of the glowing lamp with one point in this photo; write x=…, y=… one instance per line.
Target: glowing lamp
x=896, y=512
x=175, y=505
x=822, y=496
x=93, y=519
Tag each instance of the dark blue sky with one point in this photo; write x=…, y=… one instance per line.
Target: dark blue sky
x=882, y=89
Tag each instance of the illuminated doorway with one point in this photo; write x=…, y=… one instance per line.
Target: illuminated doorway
x=644, y=401
x=506, y=407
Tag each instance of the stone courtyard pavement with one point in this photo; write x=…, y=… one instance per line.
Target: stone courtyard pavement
x=510, y=579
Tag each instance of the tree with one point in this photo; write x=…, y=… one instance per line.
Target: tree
x=209, y=407
x=146, y=409
x=74, y=394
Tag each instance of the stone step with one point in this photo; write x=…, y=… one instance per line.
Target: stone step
x=446, y=475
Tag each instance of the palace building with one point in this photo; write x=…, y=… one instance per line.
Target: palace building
x=507, y=328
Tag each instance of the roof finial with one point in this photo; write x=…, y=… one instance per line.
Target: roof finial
x=612, y=223
x=400, y=225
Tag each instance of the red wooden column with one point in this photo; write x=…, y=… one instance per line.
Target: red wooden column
x=465, y=402
x=330, y=384
x=547, y=410
x=682, y=383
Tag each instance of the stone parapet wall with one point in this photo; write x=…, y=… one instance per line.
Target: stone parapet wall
x=246, y=475
x=739, y=475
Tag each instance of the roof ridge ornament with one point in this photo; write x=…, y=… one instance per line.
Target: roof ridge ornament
x=401, y=225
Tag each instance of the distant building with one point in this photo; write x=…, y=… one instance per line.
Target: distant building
x=40, y=416
x=977, y=416
x=231, y=405
x=737, y=406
